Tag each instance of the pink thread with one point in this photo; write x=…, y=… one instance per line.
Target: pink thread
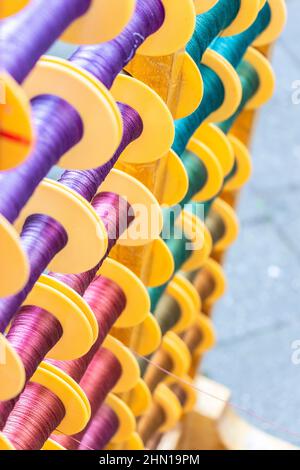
x=37, y=412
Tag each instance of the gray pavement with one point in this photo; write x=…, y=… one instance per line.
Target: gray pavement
x=259, y=318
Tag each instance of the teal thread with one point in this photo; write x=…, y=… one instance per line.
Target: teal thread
x=209, y=25
x=233, y=49
x=197, y=178
x=197, y=175
x=167, y=313
x=250, y=83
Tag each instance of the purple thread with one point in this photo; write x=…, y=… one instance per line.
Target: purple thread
x=29, y=34
x=86, y=182
x=106, y=61
x=43, y=338
x=42, y=238
x=100, y=430
x=101, y=376
x=60, y=126
x=116, y=215
x=127, y=59
x=107, y=311
x=114, y=224
x=33, y=334
x=33, y=339
x=26, y=36
x=78, y=282
x=107, y=301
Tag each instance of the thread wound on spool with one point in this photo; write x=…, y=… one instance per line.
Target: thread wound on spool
x=107, y=60
x=167, y=313
x=233, y=50
x=250, y=83
x=132, y=129
x=28, y=425
x=87, y=182
x=115, y=224
x=107, y=307
x=42, y=237
x=31, y=339
x=101, y=430
x=107, y=311
x=102, y=369
x=99, y=379
x=209, y=25
x=58, y=128
x=28, y=35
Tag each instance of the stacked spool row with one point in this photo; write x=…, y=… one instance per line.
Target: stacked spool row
x=199, y=73
x=209, y=281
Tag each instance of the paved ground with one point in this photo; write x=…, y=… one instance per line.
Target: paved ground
x=259, y=318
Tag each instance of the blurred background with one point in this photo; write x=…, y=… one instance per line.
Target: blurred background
x=258, y=320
